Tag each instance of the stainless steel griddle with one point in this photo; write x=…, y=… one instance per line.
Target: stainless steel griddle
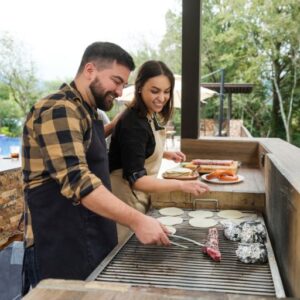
x=189, y=269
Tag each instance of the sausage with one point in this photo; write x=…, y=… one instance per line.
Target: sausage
x=222, y=173
x=225, y=177
x=215, y=162
x=211, y=247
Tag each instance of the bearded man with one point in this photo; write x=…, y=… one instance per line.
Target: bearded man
x=70, y=213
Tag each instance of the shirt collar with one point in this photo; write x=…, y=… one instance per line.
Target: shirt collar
x=73, y=94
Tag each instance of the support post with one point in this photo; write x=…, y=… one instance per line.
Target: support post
x=190, y=99
x=221, y=112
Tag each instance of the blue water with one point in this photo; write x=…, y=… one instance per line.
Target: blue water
x=6, y=142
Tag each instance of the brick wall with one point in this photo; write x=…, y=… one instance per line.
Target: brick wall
x=11, y=205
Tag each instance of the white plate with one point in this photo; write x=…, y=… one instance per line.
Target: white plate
x=216, y=180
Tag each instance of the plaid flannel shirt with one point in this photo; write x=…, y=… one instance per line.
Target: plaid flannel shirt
x=56, y=136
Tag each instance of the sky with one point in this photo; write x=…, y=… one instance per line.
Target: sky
x=55, y=33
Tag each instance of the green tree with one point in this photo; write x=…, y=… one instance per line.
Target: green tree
x=170, y=47
x=257, y=42
x=10, y=116
x=17, y=73
x=276, y=35
x=144, y=53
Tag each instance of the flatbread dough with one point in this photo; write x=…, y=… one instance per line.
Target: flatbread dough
x=171, y=229
x=251, y=216
x=201, y=213
x=202, y=222
x=230, y=214
x=171, y=211
x=170, y=220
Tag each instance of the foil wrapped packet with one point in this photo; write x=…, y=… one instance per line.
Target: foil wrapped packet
x=245, y=232
x=232, y=231
x=253, y=232
x=252, y=253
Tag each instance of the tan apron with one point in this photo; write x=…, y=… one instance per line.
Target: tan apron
x=137, y=199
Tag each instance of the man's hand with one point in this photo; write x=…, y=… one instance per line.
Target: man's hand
x=150, y=231
x=147, y=229
x=176, y=156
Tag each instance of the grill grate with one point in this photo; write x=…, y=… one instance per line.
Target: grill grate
x=174, y=267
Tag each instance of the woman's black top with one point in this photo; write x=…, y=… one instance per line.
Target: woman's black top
x=132, y=142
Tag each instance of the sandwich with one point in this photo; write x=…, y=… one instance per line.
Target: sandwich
x=178, y=172
x=210, y=165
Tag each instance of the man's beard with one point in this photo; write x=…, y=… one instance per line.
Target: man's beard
x=103, y=100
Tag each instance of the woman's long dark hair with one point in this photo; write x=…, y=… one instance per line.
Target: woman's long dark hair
x=149, y=69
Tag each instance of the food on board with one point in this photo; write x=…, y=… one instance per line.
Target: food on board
x=180, y=173
x=209, y=165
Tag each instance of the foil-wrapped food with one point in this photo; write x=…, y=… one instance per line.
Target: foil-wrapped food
x=252, y=253
x=253, y=232
x=251, y=235
x=232, y=231
x=246, y=232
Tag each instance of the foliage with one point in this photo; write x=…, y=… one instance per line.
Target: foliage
x=255, y=42
x=144, y=53
x=10, y=114
x=4, y=92
x=176, y=119
x=49, y=87
x=17, y=73
x=276, y=36
x=10, y=117
x=170, y=46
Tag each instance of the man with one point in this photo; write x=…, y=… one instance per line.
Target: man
x=66, y=176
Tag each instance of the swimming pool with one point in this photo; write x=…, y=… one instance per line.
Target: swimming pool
x=6, y=142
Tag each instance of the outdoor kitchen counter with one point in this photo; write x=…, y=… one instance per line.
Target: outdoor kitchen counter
x=9, y=164
x=279, y=162
x=75, y=290
x=11, y=200
x=246, y=195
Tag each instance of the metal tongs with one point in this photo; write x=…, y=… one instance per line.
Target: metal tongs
x=186, y=239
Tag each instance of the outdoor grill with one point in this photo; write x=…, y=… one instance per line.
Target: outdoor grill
x=189, y=269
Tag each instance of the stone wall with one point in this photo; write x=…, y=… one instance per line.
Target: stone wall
x=11, y=206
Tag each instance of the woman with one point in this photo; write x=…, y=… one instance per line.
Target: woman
x=137, y=144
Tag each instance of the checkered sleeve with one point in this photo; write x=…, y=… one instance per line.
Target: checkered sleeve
x=60, y=132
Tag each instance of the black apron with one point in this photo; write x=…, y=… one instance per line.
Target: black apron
x=70, y=241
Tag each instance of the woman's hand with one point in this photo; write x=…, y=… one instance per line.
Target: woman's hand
x=194, y=187
x=176, y=156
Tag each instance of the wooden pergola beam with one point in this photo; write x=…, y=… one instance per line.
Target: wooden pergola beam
x=191, y=33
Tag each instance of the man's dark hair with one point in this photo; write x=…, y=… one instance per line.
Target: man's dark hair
x=103, y=54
